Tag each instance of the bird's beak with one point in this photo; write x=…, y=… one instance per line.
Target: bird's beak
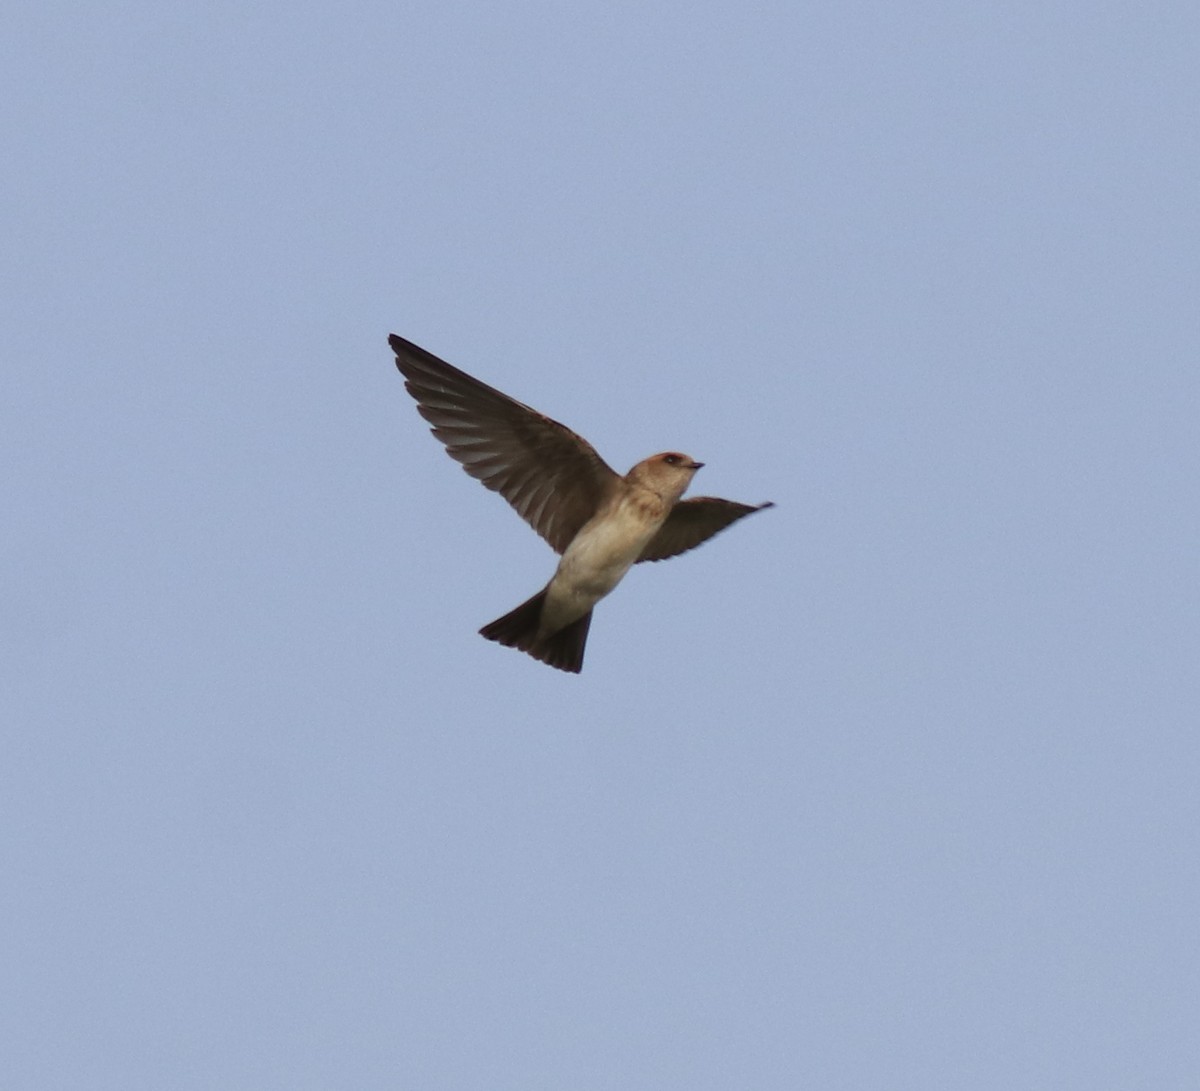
x=696, y=466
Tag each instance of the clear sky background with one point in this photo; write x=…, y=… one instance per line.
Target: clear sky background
x=892, y=787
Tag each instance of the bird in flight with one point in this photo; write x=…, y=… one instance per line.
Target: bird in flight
x=600, y=522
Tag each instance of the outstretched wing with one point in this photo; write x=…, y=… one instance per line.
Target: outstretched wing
x=694, y=521
x=553, y=478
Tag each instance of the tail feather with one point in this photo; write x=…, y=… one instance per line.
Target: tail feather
x=564, y=649
x=519, y=629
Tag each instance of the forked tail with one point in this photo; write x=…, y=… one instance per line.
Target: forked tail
x=519, y=629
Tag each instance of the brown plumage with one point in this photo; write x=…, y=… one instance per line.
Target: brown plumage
x=600, y=522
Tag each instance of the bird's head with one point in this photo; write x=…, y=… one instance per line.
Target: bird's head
x=668, y=474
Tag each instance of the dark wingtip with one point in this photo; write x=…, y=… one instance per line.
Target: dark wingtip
x=404, y=350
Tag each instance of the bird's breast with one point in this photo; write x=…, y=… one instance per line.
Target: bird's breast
x=605, y=548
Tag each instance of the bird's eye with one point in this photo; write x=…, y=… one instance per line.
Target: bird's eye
x=671, y=460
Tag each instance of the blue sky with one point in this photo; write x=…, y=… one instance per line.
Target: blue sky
x=893, y=786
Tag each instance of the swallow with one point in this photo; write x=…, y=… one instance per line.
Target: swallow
x=598, y=521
